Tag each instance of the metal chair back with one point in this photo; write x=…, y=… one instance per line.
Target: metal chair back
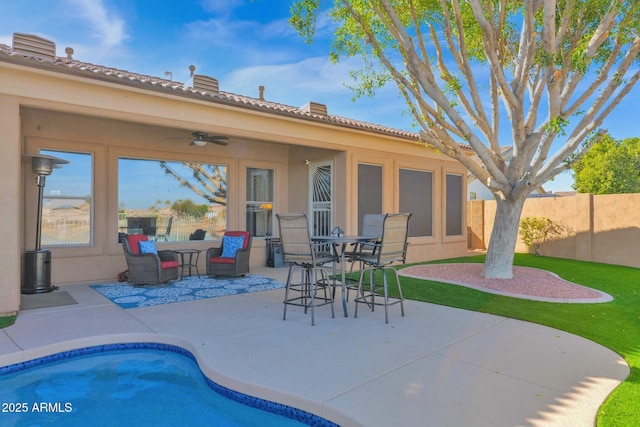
x=295, y=238
x=372, y=225
x=393, y=243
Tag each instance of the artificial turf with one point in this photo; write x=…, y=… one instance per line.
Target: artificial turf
x=7, y=321
x=615, y=324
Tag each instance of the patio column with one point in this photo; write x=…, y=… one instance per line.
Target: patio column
x=11, y=190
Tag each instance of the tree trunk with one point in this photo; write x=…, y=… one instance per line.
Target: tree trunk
x=504, y=236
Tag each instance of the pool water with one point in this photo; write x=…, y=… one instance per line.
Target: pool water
x=135, y=387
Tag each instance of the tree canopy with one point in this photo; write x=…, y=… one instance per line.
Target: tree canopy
x=610, y=167
x=540, y=75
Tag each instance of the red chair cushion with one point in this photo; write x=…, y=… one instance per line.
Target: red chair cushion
x=244, y=234
x=222, y=260
x=134, y=242
x=169, y=264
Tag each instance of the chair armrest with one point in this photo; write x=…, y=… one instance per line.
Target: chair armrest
x=372, y=246
x=214, y=252
x=148, y=255
x=168, y=255
x=143, y=261
x=242, y=254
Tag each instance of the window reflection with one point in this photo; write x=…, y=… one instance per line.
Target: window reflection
x=260, y=200
x=169, y=201
x=67, y=203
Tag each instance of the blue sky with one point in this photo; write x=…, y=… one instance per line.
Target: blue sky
x=242, y=43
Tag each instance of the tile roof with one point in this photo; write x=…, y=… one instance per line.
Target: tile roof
x=68, y=65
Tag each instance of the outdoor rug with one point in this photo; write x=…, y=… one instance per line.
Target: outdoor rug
x=187, y=289
x=48, y=299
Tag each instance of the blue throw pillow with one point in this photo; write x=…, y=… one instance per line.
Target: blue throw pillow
x=148, y=247
x=230, y=245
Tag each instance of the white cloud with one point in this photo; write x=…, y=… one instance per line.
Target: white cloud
x=221, y=6
x=278, y=29
x=107, y=25
x=309, y=76
x=317, y=79
x=218, y=31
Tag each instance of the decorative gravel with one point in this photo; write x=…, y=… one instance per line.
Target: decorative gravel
x=527, y=283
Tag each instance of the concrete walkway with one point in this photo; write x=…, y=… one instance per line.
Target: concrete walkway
x=437, y=366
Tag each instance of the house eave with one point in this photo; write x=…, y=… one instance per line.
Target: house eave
x=75, y=69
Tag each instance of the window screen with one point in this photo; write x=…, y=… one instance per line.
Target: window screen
x=416, y=197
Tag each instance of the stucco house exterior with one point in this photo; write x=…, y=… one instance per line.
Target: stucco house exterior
x=133, y=165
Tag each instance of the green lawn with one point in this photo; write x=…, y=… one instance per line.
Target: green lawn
x=615, y=324
x=7, y=321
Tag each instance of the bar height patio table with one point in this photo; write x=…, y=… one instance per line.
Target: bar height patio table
x=339, y=245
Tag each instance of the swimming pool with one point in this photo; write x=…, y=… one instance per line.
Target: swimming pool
x=146, y=384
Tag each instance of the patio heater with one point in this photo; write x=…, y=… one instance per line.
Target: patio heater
x=37, y=263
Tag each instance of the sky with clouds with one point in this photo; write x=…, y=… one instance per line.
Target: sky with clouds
x=242, y=43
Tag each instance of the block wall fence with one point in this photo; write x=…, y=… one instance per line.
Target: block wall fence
x=604, y=228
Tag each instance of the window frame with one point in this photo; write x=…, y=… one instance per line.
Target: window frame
x=99, y=215
x=259, y=203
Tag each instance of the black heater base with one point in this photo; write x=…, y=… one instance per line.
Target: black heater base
x=37, y=272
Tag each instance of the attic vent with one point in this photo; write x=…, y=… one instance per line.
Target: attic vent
x=205, y=83
x=28, y=44
x=315, y=108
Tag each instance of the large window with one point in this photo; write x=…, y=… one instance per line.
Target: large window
x=416, y=197
x=67, y=209
x=369, y=191
x=260, y=200
x=454, y=205
x=169, y=201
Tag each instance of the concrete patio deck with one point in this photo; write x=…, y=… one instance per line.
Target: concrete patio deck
x=437, y=366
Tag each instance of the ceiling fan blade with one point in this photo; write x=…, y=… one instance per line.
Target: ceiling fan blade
x=212, y=138
x=200, y=139
x=218, y=141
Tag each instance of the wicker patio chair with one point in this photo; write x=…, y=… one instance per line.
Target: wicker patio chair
x=301, y=253
x=391, y=249
x=148, y=268
x=199, y=234
x=233, y=261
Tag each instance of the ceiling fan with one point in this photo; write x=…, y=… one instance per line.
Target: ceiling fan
x=202, y=138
